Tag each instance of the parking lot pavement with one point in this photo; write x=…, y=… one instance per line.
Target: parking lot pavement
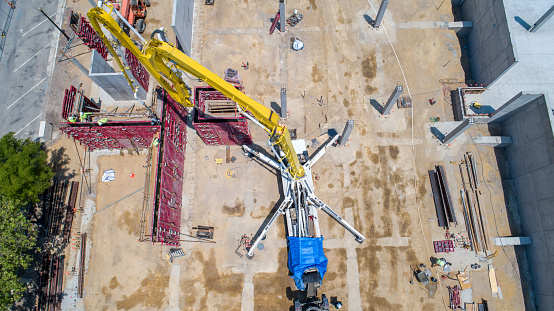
x=27, y=64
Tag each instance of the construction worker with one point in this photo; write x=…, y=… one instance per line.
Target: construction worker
x=102, y=121
x=439, y=262
x=72, y=119
x=85, y=116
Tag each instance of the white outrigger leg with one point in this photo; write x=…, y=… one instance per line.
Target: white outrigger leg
x=300, y=204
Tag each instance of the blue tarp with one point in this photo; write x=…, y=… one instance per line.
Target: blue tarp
x=305, y=253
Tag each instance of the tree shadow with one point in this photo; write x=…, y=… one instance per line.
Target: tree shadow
x=31, y=276
x=34, y=275
x=437, y=133
x=376, y=105
x=58, y=162
x=523, y=23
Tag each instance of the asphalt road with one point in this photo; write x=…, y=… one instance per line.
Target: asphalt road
x=27, y=65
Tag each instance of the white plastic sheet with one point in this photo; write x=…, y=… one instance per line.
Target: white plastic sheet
x=108, y=175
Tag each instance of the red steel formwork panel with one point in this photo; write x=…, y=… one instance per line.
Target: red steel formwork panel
x=274, y=24
x=230, y=129
x=89, y=105
x=68, y=101
x=206, y=93
x=223, y=133
x=166, y=224
x=137, y=69
x=122, y=136
x=90, y=38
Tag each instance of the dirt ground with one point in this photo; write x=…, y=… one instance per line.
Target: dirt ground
x=378, y=182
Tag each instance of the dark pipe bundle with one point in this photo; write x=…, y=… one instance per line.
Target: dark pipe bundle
x=442, y=198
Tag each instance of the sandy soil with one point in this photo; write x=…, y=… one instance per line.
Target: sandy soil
x=378, y=182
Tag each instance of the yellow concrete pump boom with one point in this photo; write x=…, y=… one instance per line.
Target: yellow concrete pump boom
x=165, y=62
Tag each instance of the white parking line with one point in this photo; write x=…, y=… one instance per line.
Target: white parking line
x=23, y=35
x=32, y=57
x=40, y=114
x=26, y=93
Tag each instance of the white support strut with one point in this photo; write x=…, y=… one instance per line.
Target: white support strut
x=300, y=204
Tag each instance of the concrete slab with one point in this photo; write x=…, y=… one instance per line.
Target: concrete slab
x=393, y=241
x=536, y=154
x=493, y=141
x=174, y=277
x=182, y=18
x=510, y=241
x=377, y=181
x=112, y=82
x=542, y=178
x=525, y=189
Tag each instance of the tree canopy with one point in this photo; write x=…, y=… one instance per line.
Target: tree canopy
x=24, y=176
x=24, y=173
x=17, y=238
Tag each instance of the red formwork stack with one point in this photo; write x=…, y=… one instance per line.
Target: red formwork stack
x=121, y=135
x=118, y=133
x=68, y=102
x=90, y=38
x=138, y=70
x=166, y=216
x=84, y=104
x=216, y=119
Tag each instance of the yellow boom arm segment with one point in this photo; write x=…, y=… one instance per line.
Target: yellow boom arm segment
x=165, y=63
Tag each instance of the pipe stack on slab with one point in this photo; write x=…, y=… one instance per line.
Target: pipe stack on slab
x=442, y=198
x=474, y=216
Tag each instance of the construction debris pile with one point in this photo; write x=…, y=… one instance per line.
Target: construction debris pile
x=86, y=33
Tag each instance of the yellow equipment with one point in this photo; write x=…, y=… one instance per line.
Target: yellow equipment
x=165, y=62
x=492, y=255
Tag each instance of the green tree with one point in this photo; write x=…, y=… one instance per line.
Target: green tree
x=24, y=173
x=17, y=239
